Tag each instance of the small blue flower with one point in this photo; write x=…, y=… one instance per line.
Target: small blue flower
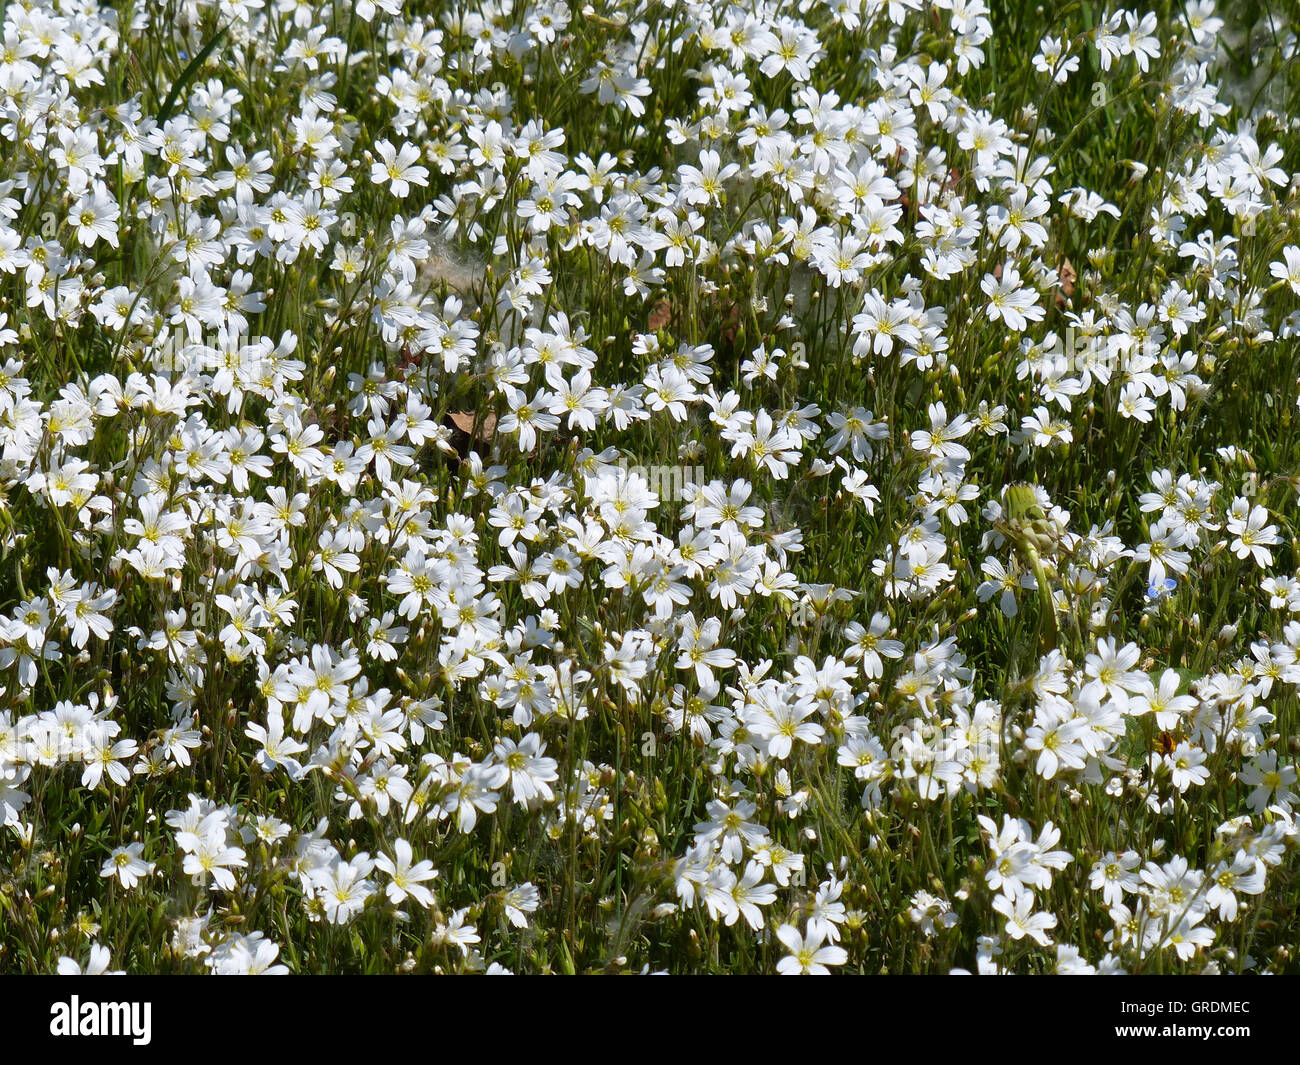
x=1155, y=593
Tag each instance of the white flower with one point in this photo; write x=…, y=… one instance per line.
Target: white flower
x=398, y=168
x=807, y=956
x=126, y=864
x=1014, y=306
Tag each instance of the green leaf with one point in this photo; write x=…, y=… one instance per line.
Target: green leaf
x=188, y=75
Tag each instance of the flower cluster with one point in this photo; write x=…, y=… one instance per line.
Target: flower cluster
x=338, y=356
